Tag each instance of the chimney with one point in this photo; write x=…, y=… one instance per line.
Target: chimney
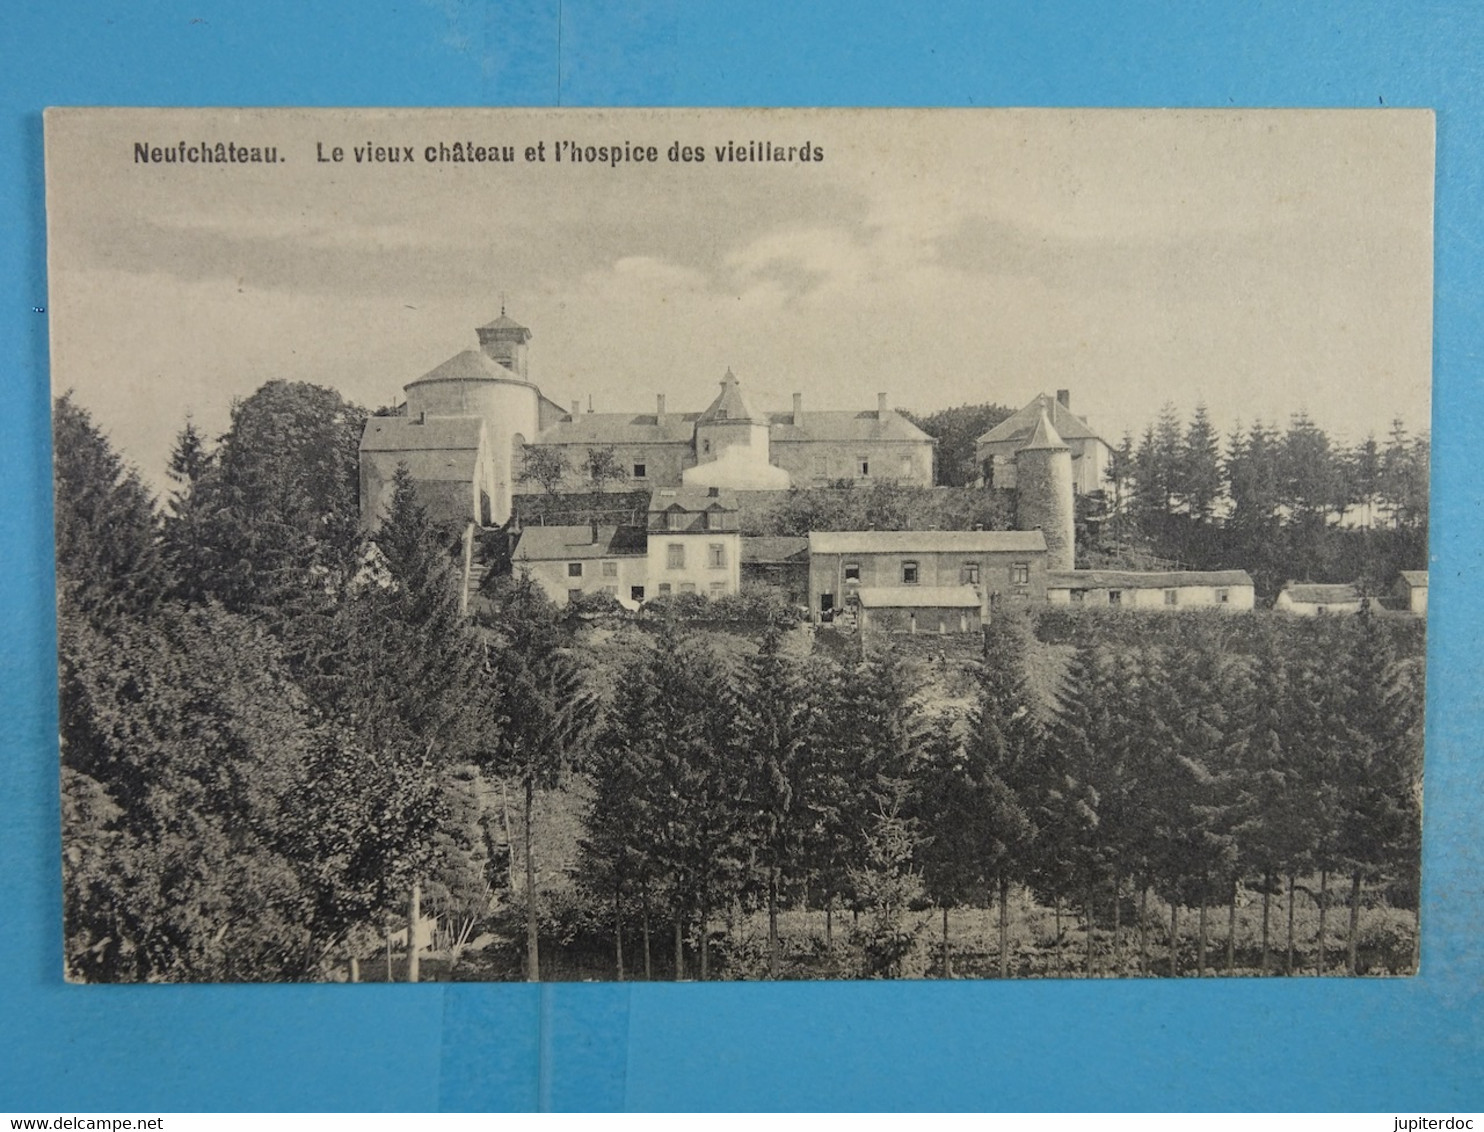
x=659, y=409
x=880, y=404
x=576, y=409
x=1064, y=398
x=798, y=410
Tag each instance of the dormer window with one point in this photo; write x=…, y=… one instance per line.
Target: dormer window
x=675, y=520
x=721, y=414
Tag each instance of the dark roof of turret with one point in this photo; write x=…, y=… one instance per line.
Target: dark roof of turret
x=504, y=323
x=729, y=404
x=1044, y=437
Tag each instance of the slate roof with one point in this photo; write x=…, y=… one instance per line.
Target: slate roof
x=829, y=426
x=926, y=542
x=774, y=549
x=1044, y=436
x=1417, y=579
x=1019, y=426
x=470, y=365
x=845, y=426
x=504, y=323
x=1309, y=593
x=1142, y=580
x=573, y=543
x=408, y=434
x=729, y=404
x=918, y=597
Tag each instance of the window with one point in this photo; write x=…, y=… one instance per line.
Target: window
x=1115, y=597
x=706, y=447
x=573, y=595
x=675, y=520
x=687, y=587
x=708, y=521
x=909, y=573
x=1020, y=574
x=1079, y=596
x=610, y=569
x=636, y=593
x=574, y=569
x=969, y=575
x=1223, y=597
x=821, y=468
x=640, y=471
x=863, y=466
x=675, y=556
x=906, y=467
x=716, y=555
x=718, y=588
x=852, y=571
x=1172, y=597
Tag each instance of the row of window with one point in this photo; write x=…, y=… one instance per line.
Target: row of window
x=1172, y=597
x=608, y=569
x=716, y=556
x=969, y=573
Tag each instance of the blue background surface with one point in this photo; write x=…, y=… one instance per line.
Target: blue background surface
x=1279, y=1044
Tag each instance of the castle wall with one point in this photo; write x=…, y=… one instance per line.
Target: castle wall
x=818, y=463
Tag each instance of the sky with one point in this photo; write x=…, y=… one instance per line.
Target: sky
x=1257, y=262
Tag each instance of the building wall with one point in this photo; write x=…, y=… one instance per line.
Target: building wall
x=934, y=568
x=928, y=619
x=663, y=464
x=556, y=580
x=1313, y=609
x=816, y=463
x=1090, y=458
x=697, y=570
x=1240, y=599
x=447, y=501
x=507, y=407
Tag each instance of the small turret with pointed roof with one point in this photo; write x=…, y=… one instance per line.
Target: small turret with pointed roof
x=729, y=404
x=505, y=340
x=1043, y=492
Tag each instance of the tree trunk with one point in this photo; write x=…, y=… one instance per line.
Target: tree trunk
x=1117, y=927
x=1174, y=939
x=648, y=968
x=829, y=923
x=1056, y=908
x=509, y=839
x=1144, y=929
x=947, y=963
x=1087, y=962
x=1004, y=926
x=773, y=922
x=705, y=942
x=1323, y=914
x=679, y=951
x=618, y=930
x=1267, y=903
x=1352, y=967
x=414, y=913
x=355, y=969
x=1231, y=930
x=1200, y=941
x=533, y=940
x=1288, y=963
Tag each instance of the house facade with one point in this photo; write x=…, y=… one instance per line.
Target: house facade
x=1411, y=589
x=569, y=562
x=1230, y=591
x=693, y=543
x=919, y=609
x=1310, y=599
x=996, y=564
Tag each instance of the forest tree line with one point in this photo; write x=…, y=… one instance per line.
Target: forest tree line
x=274, y=727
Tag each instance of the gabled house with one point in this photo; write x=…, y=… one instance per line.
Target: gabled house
x=1308, y=599
x=694, y=544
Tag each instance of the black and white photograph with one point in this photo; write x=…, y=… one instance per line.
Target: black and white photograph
x=676, y=545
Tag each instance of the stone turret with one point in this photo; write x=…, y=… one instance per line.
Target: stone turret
x=1043, y=472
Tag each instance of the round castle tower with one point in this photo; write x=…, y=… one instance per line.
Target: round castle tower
x=490, y=383
x=1043, y=474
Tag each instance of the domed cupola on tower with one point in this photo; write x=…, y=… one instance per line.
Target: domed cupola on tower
x=732, y=448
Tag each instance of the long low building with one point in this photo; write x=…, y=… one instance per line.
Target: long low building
x=997, y=564
x=919, y=609
x=1167, y=590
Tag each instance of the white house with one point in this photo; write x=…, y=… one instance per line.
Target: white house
x=1169, y=591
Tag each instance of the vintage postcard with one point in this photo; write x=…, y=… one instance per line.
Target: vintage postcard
x=730, y=545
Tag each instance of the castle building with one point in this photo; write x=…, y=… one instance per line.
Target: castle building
x=997, y=451
x=730, y=444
